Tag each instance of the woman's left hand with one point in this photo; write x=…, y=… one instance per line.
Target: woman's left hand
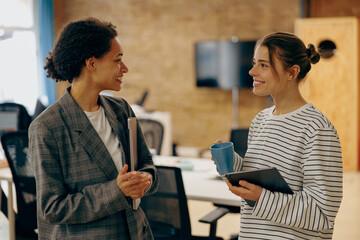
x=246, y=190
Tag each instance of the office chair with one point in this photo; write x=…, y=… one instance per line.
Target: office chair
x=15, y=145
x=167, y=210
x=239, y=137
x=153, y=132
x=24, y=119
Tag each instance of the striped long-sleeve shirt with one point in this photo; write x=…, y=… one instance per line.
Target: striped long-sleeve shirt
x=304, y=146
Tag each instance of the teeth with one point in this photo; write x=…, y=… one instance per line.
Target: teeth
x=257, y=82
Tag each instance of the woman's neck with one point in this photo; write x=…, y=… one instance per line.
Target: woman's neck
x=288, y=103
x=85, y=96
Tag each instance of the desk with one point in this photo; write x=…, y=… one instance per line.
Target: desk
x=5, y=175
x=203, y=182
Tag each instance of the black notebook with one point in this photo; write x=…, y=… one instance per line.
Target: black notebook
x=268, y=178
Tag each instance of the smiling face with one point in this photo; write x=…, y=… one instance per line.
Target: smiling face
x=268, y=79
x=110, y=68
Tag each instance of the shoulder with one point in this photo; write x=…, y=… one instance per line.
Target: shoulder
x=47, y=119
x=315, y=122
x=264, y=114
x=314, y=117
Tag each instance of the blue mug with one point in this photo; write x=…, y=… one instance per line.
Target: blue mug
x=223, y=155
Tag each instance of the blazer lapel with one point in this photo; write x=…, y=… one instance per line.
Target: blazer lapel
x=118, y=122
x=88, y=137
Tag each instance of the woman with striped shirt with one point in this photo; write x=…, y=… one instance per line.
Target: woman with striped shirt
x=297, y=139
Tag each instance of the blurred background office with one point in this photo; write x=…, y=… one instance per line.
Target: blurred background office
x=159, y=39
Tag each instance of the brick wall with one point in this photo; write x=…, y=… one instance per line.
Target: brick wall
x=158, y=38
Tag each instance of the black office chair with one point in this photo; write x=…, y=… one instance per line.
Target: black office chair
x=153, y=132
x=15, y=146
x=239, y=137
x=167, y=210
x=24, y=119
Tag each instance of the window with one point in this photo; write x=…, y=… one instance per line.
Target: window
x=18, y=48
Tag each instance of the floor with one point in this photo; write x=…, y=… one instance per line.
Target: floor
x=347, y=223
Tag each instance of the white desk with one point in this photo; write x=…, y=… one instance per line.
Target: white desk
x=5, y=175
x=202, y=183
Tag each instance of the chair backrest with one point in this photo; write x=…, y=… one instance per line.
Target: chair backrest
x=15, y=145
x=9, y=118
x=24, y=119
x=239, y=137
x=153, y=132
x=167, y=210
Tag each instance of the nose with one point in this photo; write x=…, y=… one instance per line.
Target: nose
x=124, y=68
x=252, y=71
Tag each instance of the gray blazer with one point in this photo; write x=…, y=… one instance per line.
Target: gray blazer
x=77, y=194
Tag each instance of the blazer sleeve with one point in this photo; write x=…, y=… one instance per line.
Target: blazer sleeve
x=56, y=203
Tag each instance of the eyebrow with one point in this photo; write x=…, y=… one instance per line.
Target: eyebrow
x=260, y=60
x=120, y=54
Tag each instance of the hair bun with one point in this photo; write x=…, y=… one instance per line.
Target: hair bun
x=312, y=54
x=50, y=68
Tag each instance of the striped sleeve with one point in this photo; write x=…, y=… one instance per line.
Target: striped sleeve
x=238, y=162
x=316, y=205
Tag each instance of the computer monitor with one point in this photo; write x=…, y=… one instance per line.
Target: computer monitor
x=224, y=64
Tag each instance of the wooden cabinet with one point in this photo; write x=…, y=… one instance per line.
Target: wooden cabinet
x=333, y=83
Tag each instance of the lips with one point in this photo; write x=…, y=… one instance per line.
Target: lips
x=257, y=83
x=118, y=79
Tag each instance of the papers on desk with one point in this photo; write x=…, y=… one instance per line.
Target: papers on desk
x=185, y=165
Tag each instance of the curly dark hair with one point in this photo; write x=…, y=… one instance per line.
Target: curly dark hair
x=78, y=41
x=291, y=51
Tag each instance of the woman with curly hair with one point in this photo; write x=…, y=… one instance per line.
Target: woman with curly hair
x=79, y=146
x=297, y=139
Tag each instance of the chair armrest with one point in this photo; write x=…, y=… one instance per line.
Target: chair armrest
x=232, y=209
x=214, y=215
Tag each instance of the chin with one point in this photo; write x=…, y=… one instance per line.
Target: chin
x=117, y=88
x=259, y=93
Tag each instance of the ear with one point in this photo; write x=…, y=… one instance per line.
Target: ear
x=294, y=72
x=90, y=63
